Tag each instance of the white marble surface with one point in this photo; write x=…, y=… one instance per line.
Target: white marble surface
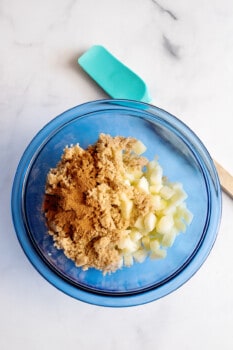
x=184, y=51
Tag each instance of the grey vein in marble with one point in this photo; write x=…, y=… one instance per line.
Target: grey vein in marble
x=27, y=45
x=163, y=9
x=171, y=48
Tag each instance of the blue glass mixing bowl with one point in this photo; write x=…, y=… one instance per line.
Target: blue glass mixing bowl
x=183, y=158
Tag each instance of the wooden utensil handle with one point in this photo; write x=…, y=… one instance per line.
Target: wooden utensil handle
x=226, y=179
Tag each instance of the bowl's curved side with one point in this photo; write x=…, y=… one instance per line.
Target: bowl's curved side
x=205, y=165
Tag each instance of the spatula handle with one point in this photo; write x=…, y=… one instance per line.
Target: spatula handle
x=226, y=179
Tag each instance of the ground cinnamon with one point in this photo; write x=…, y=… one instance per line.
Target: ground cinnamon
x=83, y=197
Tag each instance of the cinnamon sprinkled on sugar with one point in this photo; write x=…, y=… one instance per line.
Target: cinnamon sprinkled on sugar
x=83, y=201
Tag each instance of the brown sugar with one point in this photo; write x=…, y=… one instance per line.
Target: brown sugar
x=83, y=201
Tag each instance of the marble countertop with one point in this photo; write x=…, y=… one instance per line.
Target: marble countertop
x=184, y=51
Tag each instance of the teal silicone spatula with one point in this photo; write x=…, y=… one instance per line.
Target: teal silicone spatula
x=117, y=80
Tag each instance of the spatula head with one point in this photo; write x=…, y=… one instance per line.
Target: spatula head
x=117, y=80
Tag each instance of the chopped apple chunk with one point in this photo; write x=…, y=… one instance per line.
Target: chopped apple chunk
x=139, y=147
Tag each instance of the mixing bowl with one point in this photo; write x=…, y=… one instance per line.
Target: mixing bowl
x=184, y=159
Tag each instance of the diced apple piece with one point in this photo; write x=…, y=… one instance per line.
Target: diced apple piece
x=140, y=255
x=168, y=238
x=182, y=212
x=178, y=198
x=155, y=176
x=135, y=235
x=139, y=147
x=180, y=225
x=143, y=184
x=152, y=165
x=133, y=176
x=155, y=189
x=165, y=224
x=139, y=224
x=120, y=263
x=158, y=254
x=127, y=182
x=158, y=203
x=128, y=260
x=126, y=206
x=146, y=242
x=154, y=235
x=149, y=222
x=167, y=192
x=188, y=216
x=127, y=245
x=154, y=245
